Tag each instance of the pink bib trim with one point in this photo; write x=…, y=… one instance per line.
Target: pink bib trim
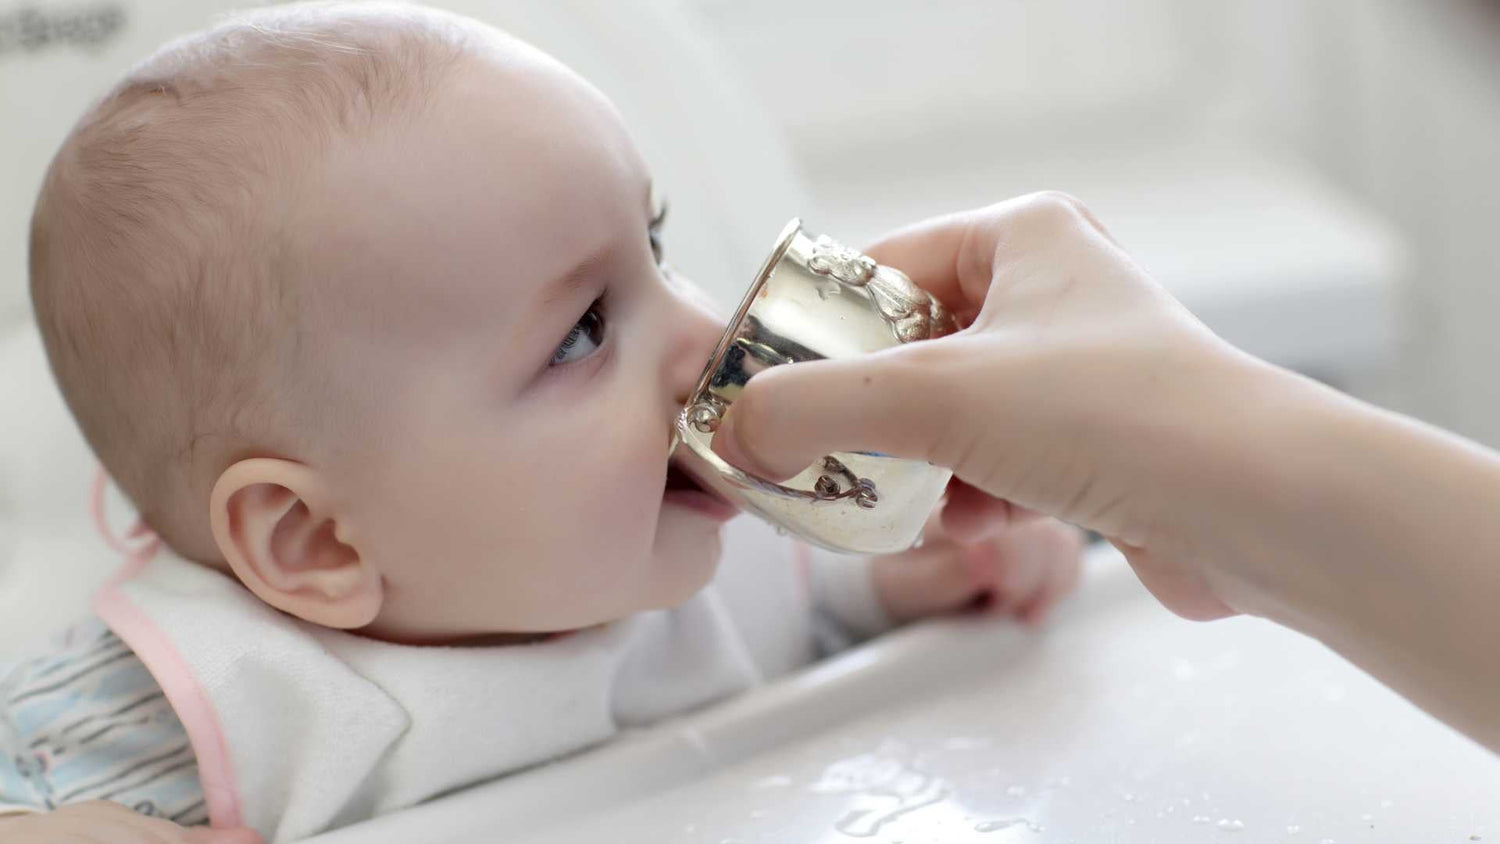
x=161, y=658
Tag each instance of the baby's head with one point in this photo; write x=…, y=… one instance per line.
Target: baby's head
x=364, y=304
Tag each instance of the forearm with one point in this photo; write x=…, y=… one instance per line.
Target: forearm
x=1083, y=390
x=1376, y=534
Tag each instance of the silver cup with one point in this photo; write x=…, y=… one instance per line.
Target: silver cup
x=815, y=299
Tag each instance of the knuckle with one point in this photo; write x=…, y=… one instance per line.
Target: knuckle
x=1060, y=200
x=1021, y=225
x=1055, y=210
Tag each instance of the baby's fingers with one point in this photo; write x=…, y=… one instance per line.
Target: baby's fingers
x=1061, y=579
x=1007, y=577
x=924, y=581
x=1031, y=566
x=971, y=515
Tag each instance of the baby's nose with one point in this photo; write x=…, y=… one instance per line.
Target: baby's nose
x=695, y=330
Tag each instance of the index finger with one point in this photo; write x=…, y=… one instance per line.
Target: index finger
x=941, y=255
x=955, y=256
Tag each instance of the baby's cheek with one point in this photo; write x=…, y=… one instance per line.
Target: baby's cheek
x=635, y=495
x=635, y=462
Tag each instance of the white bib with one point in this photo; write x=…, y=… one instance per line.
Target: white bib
x=298, y=728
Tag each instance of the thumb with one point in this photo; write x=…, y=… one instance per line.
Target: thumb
x=895, y=402
x=950, y=257
x=955, y=257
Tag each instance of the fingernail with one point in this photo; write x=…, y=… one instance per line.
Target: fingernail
x=727, y=445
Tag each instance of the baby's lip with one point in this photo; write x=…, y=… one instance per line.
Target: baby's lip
x=681, y=467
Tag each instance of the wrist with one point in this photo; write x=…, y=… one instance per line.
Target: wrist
x=1310, y=508
x=1371, y=532
x=1232, y=480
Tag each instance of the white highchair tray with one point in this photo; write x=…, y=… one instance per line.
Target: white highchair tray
x=1118, y=722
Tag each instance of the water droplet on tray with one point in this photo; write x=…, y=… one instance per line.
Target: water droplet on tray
x=774, y=781
x=1005, y=823
x=1229, y=825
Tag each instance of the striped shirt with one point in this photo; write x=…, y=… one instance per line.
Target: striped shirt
x=86, y=721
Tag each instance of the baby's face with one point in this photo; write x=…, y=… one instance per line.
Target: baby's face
x=514, y=357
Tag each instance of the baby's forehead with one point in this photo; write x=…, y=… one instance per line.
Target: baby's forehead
x=517, y=173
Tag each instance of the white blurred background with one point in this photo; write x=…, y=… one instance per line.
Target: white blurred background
x=1317, y=179
x=1320, y=180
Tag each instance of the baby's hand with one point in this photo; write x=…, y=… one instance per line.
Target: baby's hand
x=1023, y=570
x=110, y=823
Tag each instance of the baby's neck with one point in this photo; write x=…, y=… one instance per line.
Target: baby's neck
x=480, y=640
x=495, y=640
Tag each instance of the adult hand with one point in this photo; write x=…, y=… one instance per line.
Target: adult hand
x=1067, y=393
x=1083, y=390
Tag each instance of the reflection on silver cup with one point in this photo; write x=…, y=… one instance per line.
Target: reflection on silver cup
x=815, y=299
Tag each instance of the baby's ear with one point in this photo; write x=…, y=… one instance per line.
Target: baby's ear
x=272, y=522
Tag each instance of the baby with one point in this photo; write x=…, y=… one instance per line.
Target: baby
x=364, y=308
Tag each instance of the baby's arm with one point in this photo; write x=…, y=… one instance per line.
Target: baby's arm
x=83, y=722
x=107, y=822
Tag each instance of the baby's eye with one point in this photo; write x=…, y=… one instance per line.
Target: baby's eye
x=584, y=338
x=653, y=232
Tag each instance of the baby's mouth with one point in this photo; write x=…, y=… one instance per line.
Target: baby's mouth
x=679, y=479
x=684, y=488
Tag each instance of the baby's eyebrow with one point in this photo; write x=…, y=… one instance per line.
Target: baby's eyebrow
x=565, y=287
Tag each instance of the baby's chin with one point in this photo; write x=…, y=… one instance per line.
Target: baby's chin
x=686, y=556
